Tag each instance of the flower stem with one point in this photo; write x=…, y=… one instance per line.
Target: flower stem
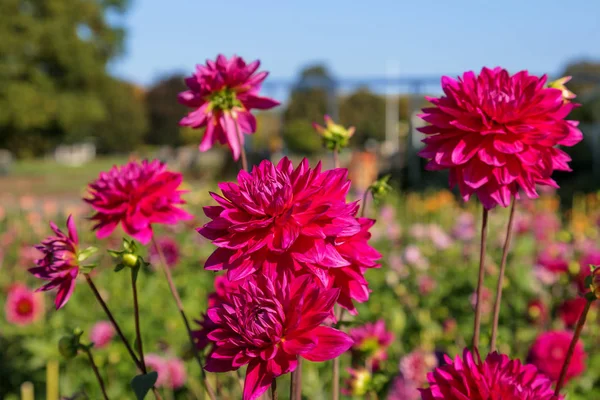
x=135, y=359
x=365, y=198
x=87, y=351
x=477, y=324
x=177, y=298
x=335, y=391
x=500, y=284
x=241, y=144
x=336, y=158
x=137, y=362
x=574, y=340
x=274, y=389
x=136, y=311
x=296, y=382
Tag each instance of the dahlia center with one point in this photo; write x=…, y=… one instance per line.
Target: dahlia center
x=24, y=307
x=369, y=345
x=224, y=100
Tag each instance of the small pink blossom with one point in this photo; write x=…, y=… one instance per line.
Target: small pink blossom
x=177, y=374
x=414, y=257
x=440, y=239
x=170, y=250
x=23, y=306
x=426, y=284
x=372, y=340
x=464, y=229
x=102, y=333
x=415, y=366
x=555, y=257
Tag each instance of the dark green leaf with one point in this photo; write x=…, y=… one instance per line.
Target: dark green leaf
x=142, y=384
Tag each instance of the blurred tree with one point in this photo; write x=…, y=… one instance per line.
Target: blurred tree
x=307, y=104
x=165, y=112
x=127, y=121
x=53, y=57
x=366, y=112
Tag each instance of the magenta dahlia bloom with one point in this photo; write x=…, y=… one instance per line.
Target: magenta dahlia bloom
x=23, y=306
x=496, y=378
x=268, y=324
x=222, y=94
x=549, y=351
x=59, y=264
x=169, y=248
x=279, y=218
x=372, y=340
x=498, y=133
x=136, y=195
x=570, y=311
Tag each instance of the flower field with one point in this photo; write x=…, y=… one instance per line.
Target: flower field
x=421, y=292
x=287, y=280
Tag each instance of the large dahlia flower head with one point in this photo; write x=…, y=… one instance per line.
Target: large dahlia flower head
x=277, y=218
x=498, y=134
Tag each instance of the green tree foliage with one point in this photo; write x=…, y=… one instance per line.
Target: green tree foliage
x=165, y=112
x=127, y=121
x=53, y=57
x=365, y=111
x=307, y=104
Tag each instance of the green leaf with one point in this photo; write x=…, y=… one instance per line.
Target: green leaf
x=115, y=254
x=85, y=254
x=142, y=384
x=119, y=267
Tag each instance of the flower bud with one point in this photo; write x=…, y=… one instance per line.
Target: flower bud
x=68, y=347
x=130, y=260
x=335, y=136
x=595, y=286
x=560, y=84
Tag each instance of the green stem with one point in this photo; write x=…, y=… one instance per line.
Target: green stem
x=136, y=311
x=87, y=351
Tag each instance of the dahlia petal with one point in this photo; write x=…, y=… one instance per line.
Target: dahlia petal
x=475, y=174
x=508, y=146
x=219, y=365
x=209, y=137
x=234, y=140
x=299, y=345
x=258, y=380
x=331, y=343
x=65, y=290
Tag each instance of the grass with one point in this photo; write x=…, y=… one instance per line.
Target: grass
x=41, y=177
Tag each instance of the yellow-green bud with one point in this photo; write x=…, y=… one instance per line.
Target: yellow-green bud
x=130, y=260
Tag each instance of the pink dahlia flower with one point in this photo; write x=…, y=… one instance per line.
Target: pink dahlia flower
x=136, y=195
x=222, y=94
x=177, y=374
x=555, y=257
x=102, y=333
x=372, y=340
x=498, y=133
x=591, y=257
x=23, y=306
x=170, y=250
x=537, y=311
x=415, y=366
x=549, y=351
x=570, y=311
x=403, y=389
x=280, y=218
x=269, y=324
x=158, y=364
x=59, y=265
x=498, y=377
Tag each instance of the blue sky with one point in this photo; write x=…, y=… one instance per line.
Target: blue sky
x=359, y=38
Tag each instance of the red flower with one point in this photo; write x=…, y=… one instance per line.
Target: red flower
x=59, y=265
x=497, y=133
x=278, y=218
x=136, y=195
x=571, y=310
x=269, y=324
x=222, y=94
x=498, y=377
x=170, y=250
x=23, y=306
x=549, y=351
